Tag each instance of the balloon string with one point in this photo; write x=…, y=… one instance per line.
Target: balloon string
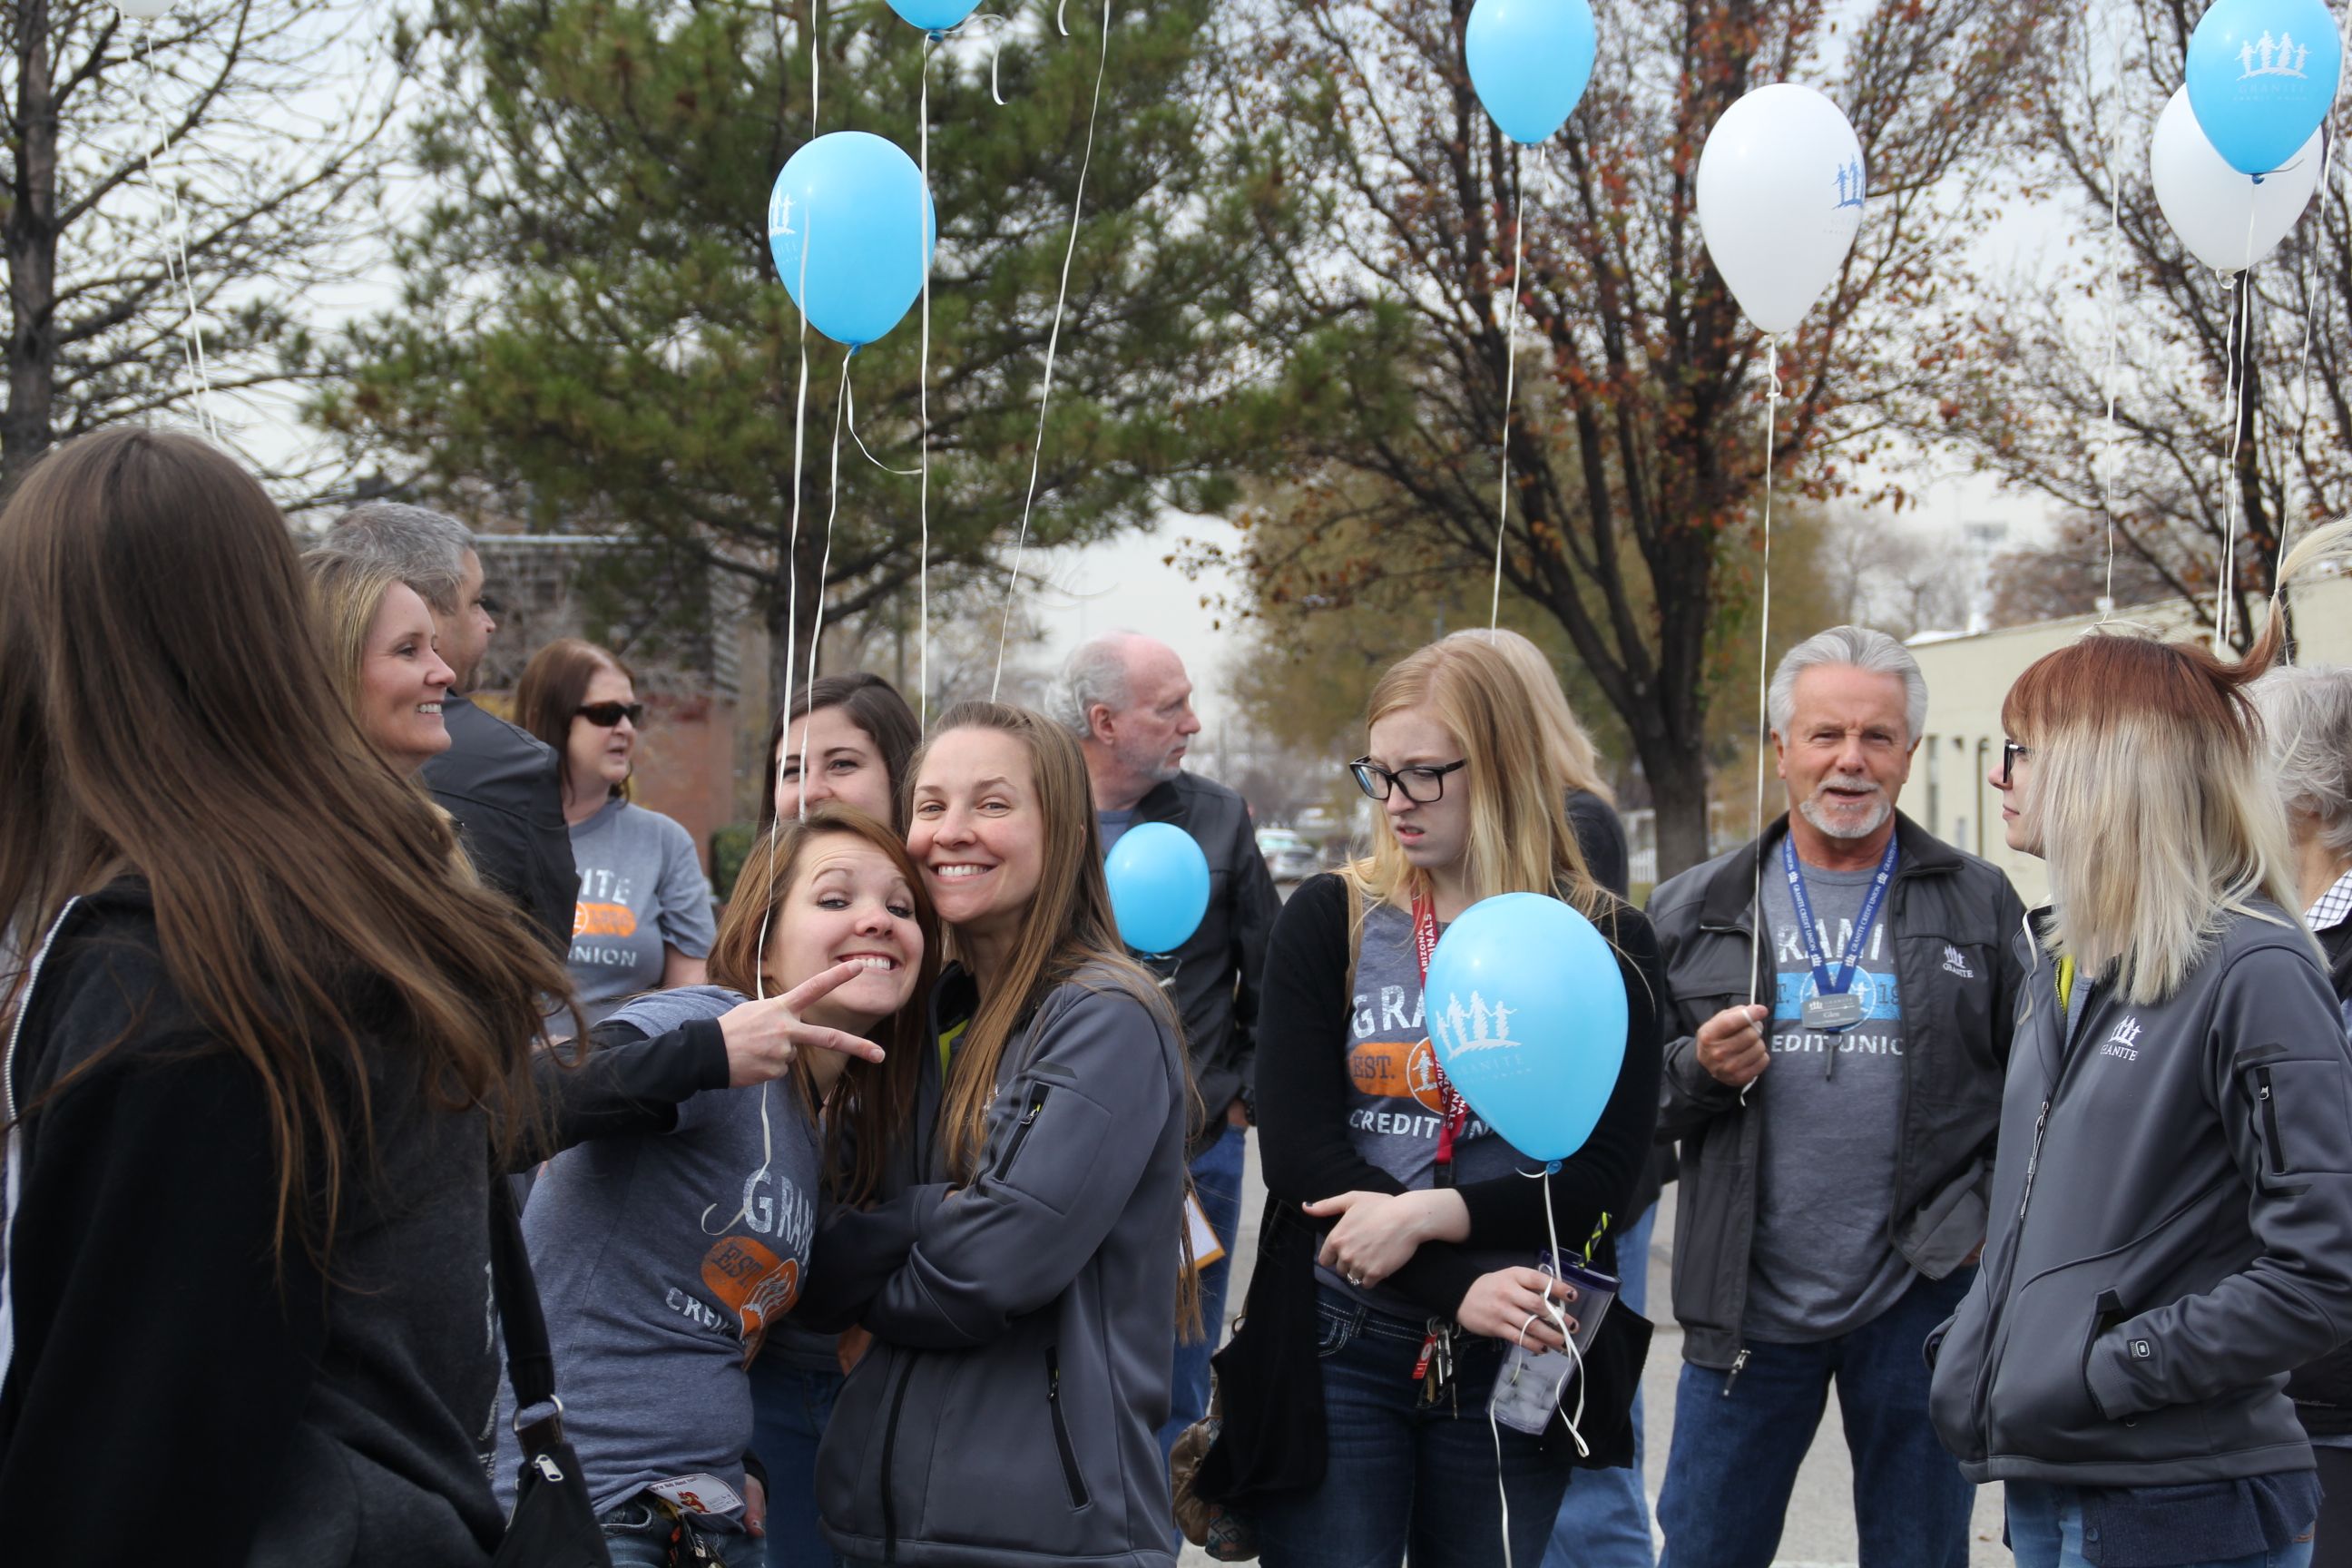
x=825, y=568
x=792, y=621
x=2113, y=292
x=995, y=50
x=923, y=399
x=816, y=36
x=1511, y=377
x=192, y=332
x=2240, y=328
x=902, y=473
x=1763, y=666
x=1053, y=341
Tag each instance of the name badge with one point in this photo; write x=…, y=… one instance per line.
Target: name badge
x=702, y=1494
x=1832, y=1013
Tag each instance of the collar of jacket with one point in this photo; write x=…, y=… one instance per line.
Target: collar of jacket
x=1732, y=892
x=1163, y=801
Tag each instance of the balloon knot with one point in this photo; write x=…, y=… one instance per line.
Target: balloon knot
x=1552, y=1168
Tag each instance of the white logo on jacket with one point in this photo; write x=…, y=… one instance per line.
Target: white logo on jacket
x=1956, y=964
x=2123, y=1043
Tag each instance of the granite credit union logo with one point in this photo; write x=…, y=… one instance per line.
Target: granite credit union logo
x=1395, y=1069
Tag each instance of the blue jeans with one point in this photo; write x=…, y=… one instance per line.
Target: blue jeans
x=1604, y=1520
x=1738, y=1442
x=1405, y=1477
x=2045, y=1530
x=789, y=1407
x=637, y=1537
x=1217, y=1178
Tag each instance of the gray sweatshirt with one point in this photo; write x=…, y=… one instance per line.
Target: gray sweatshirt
x=2171, y=1227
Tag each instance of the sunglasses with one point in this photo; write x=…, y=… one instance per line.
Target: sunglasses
x=1377, y=781
x=604, y=715
x=2009, y=752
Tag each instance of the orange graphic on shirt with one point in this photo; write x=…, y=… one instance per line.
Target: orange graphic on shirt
x=753, y=1283
x=1391, y=1068
x=602, y=920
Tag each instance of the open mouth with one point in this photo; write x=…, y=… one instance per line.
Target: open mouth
x=432, y=708
x=959, y=871
x=881, y=963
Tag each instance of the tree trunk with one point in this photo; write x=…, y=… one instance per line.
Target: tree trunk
x=31, y=238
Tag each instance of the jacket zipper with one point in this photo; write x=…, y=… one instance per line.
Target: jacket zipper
x=1071, y=1479
x=1739, y=1365
x=1021, y=1133
x=2270, y=1120
x=2032, y=1162
x=890, y=1475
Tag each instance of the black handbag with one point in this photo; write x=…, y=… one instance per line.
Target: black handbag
x=1271, y=1441
x=552, y=1526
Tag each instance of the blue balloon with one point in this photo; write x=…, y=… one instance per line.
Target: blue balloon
x=2261, y=78
x=1159, y=886
x=1529, y=60
x=1526, y=1015
x=934, y=16
x=851, y=227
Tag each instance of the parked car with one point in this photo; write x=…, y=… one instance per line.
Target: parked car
x=1289, y=856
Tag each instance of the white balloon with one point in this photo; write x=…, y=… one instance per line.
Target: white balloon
x=143, y=10
x=2227, y=219
x=1781, y=187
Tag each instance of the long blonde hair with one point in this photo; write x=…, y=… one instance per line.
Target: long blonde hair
x=349, y=590
x=1571, y=747
x=1521, y=841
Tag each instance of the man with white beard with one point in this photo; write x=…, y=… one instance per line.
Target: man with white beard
x=1836, y=1087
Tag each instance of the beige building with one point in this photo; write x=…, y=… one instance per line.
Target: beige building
x=1968, y=676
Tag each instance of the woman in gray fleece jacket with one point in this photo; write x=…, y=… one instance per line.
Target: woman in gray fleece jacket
x=2171, y=1217
x=1021, y=1285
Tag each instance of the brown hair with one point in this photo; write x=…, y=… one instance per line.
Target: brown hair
x=873, y=705
x=165, y=705
x=872, y=1106
x=348, y=591
x=552, y=687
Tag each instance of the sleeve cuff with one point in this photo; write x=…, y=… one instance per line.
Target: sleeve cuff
x=708, y=1043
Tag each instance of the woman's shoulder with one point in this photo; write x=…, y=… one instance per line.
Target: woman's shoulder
x=644, y=823
x=657, y=1013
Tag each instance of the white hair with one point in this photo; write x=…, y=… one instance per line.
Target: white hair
x=1095, y=672
x=2307, y=718
x=427, y=548
x=1858, y=647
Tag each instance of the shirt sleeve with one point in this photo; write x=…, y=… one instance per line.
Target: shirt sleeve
x=683, y=894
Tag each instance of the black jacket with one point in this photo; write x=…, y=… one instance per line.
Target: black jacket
x=1214, y=975
x=2323, y=1391
x=504, y=788
x=1950, y=916
x=165, y=1383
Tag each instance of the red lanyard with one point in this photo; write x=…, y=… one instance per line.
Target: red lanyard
x=1457, y=1109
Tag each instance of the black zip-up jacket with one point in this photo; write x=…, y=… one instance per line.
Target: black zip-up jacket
x=163, y=1381
x=2171, y=1227
x=1214, y=977
x=503, y=787
x=2322, y=1392
x=1949, y=916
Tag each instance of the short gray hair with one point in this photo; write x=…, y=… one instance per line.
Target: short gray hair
x=425, y=547
x=2307, y=718
x=1095, y=672
x=1861, y=648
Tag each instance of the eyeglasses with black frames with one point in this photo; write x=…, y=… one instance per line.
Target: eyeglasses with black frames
x=2009, y=752
x=1423, y=785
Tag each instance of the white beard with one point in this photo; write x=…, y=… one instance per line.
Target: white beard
x=1812, y=813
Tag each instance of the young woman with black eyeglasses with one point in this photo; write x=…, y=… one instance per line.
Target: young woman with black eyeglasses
x=643, y=922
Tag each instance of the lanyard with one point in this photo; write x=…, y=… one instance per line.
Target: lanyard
x=1457, y=1109
x=1849, y=960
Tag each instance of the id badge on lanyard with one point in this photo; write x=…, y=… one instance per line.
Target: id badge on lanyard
x=1834, y=1006
x=1457, y=1109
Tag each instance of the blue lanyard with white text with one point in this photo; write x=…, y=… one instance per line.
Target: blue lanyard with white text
x=1849, y=959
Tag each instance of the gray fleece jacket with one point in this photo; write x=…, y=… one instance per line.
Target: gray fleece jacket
x=1006, y=1415
x=2171, y=1227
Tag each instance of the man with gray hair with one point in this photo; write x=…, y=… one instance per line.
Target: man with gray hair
x=1129, y=703
x=1842, y=994
x=502, y=784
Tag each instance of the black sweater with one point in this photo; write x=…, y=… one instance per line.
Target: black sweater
x=1302, y=1101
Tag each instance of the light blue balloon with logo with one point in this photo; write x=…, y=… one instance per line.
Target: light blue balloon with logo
x=1529, y=62
x=1159, y=886
x=2261, y=78
x=934, y=16
x=1526, y=1015
x=851, y=228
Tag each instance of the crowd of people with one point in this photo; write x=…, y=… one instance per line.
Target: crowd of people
x=886, y=1213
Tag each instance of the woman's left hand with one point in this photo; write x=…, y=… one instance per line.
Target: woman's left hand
x=1378, y=1233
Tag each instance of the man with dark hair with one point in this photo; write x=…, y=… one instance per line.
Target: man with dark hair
x=502, y=784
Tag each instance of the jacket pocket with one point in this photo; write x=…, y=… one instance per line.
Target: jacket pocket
x=1036, y=1097
x=1071, y=1477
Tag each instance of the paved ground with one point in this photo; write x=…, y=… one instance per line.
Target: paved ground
x=1820, y=1516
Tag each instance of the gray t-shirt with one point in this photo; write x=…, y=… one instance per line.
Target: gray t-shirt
x=1394, y=1107
x=640, y=887
x=1823, y=1263
x=662, y=1261
x=1113, y=826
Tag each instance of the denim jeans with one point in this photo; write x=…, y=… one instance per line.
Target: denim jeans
x=1738, y=1442
x=1604, y=1520
x=1408, y=1481
x=789, y=1407
x=635, y=1536
x=2045, y=1530
x=1217, y=1178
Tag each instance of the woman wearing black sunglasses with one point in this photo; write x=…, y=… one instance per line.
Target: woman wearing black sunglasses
x=643, y=922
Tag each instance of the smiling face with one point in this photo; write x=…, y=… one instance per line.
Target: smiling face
x=842, y=762
x=597, y=751
x=977, y=831
x=1847, y=750
x=847, y=901
x=402, y=681
x=1434, y=836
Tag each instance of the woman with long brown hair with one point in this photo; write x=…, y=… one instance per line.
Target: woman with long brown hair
x=1021, y=1277
x=675, y=1241
x=262, y=1039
